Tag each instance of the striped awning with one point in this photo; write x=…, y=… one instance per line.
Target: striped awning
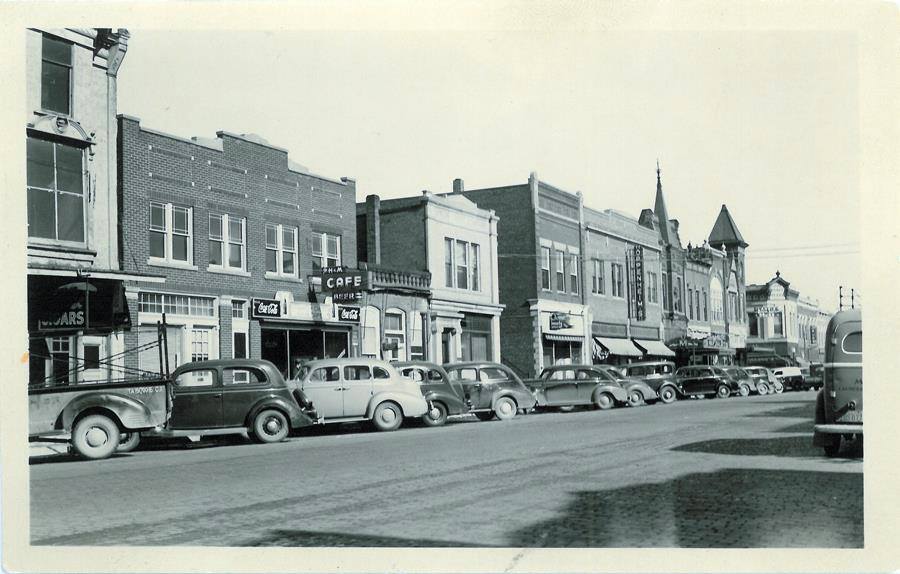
x=620, y=347
x=655, y=348
x=566, y=338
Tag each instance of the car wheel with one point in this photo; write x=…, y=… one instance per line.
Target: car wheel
x=833, y=448
x=745, y=391
x=604, y=401
x=667, y=394
x=485, y=416
x=270, y=426
x=96, y=436
x=779, y=388
x=505, y=408
x=762, y=389
x=128, y=441
x=388, y=416
x=723, y=392
x=635, y=398
x=436, y=416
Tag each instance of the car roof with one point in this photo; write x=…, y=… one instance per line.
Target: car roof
x=426, y=364
x=473, y=364
x=347, y=361
x=225, y=363
x=648, y=363
x=575, y=366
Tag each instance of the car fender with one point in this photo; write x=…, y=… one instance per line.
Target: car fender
x=617, y=392
x=523, y=399
x=296, y=416
x=131, y=414
x=453, y=403
x=413, y=406
x=644, y=388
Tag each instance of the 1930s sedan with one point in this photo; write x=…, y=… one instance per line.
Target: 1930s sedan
x=492, y=389
x=705, y=380
x=445, y=397
x=746, y=383
x=574, y=385
x=234, y=396
x=766, y=382
x=659, y=375
x=359, y=389
x=639, y=392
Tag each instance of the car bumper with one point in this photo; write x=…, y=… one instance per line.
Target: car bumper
x=850, y=428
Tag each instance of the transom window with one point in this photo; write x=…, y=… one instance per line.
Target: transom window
x=175, y=304
x=326, y=250
x=281, y=250
x=227, y=241
x=171, y=233
x=56, y=75
x=55, y=183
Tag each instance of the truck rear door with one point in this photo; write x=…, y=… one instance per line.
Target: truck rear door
x=843, y=373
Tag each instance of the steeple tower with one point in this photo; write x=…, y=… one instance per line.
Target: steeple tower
x=660, y=207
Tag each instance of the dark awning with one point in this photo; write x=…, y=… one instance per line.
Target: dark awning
x=621, y=347
x=66, y=305
x=564, y=338
x=654, y=348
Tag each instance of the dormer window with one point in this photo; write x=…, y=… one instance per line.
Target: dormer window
x=56, y=76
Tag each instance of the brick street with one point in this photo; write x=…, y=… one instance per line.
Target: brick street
x=738, y=472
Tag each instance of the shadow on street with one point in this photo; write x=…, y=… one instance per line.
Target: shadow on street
x=791, y=446
x=803, y=410
x=730, y=508
x=341, y=539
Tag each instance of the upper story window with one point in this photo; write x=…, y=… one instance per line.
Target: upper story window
x=778, y=324
x=171, y=233
x=281, y=250
x=690, y=296
x=618, y=288
x=598, y=281
x=326, y=250
x=652, y=288
x=545, y=268
x=238, y=309
x=462, y=264
x=56, y=198
x=715, y=300
x=56, y=76
x=176, y=304
x=705, y=307
x=560, y=271
x=665, y=291
x=573, y=273
x=227, y=242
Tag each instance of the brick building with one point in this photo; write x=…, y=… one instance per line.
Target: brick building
x=454, y=242
x=76, y=304
x=545, y=319
x=239, y=233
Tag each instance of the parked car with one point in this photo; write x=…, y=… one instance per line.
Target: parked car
x=746, y=383
x=567, y=386
x=360, y=389
x=234, y=396
x=766, y=381
x=705, y=380
x=445, y=397
x=791, y=378
x=816, y=378
x=491, y=388
x=659, y=375
x=638, y=391
x=839, y=405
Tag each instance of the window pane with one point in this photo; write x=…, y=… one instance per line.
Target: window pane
x=271, y=236
x=317, y=244
x=40, y=163
x=333, y=250
x=157, y=216
x=69, y=176
x=55, y=87
x=235, y=256
x=180, y=219
x=380, y=373
x=71, y=217
x=287, y=238
x=448, y=262
x=271, y=261
x=215, y=226
x=41, y=214
x=92, y=356
x=157, y=244
x=215, y=252
x=288, y=263
x=235, y=230
x=56, y=50
x=179, y=247
x=393, y=322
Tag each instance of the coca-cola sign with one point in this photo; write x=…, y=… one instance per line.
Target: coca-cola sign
x=266, y=308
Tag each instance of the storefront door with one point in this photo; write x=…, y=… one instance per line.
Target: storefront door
x=92, y=357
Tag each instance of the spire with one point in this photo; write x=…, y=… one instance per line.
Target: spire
x=660, y=208
x=725, y=231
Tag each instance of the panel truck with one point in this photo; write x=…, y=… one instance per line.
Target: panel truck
x=839, y=404
x=98, y=418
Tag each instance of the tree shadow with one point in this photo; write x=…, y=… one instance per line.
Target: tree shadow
x=730, y=508
x=805, y=410
x=791, y=446
x=67, y=457
x=307, y=538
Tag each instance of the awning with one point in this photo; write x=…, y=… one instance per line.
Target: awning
x=66, y=305
x=655, y=348
x=566, y=338
x=621, y=347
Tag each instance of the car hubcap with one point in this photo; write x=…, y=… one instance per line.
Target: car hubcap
x=435, y=413
x=273, y=426
x=96, y=437
x=388, y=416
x=505, y=408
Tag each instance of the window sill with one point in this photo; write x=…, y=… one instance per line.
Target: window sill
x=171, y=264
x=50, y=245
x=288, y=278
x=226, y=271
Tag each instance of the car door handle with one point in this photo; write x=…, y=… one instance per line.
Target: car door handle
x=339, y=388
x=217, y=395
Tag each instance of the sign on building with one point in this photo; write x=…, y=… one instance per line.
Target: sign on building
x=635, y=261
x=265, y=308
x=560, y=321
x=343, y=283
x=348, y=314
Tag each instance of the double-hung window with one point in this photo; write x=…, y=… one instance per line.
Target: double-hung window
x=281, y=250
x=545, y=268
x=598, y=283
x=618, y=289
x=653, y=291
x=171, y=233
x=573, y=273
x=474, y=268
x=56, y=191
x=56, y=76
x=326, y=250
x=560, y=271
x=690, y=297
x=462, y=264
x=227, y=242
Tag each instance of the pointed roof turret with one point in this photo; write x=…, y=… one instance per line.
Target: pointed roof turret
x=660, y=207
x=725, y=231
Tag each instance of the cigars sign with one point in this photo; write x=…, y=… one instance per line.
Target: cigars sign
x=266, y=308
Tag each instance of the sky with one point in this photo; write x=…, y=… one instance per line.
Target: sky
x=764, y=122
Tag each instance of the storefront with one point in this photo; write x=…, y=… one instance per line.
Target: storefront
x=562, y=338
x=713, y=349
x=611, y=345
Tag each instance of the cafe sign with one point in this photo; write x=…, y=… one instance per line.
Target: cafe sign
x=343, y=280
x=266, y=308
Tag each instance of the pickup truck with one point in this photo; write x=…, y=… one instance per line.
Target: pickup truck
x=98, y=418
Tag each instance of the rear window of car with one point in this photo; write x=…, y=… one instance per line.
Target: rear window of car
x=196, y=378
x=495, y=374
x=357, y=373
x=243, y=376
x=435, y=375
x=466, y=374
x=325, y=374
x=852, y=343
x=414, y=374
x=381, y=373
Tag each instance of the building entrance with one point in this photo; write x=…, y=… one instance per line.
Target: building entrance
x=287, y=348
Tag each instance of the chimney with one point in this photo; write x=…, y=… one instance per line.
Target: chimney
x=458, y=186
x=373, y=229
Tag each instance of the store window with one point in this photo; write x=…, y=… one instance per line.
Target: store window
x=55, y=184
x=371, y=331
x=171, y=233
x=395, y=335
x=227, y=240
x=326, y=250
x=475, y=338
x=281, y=250
x=545, y=268
x=416, y=337
x=56, y=76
